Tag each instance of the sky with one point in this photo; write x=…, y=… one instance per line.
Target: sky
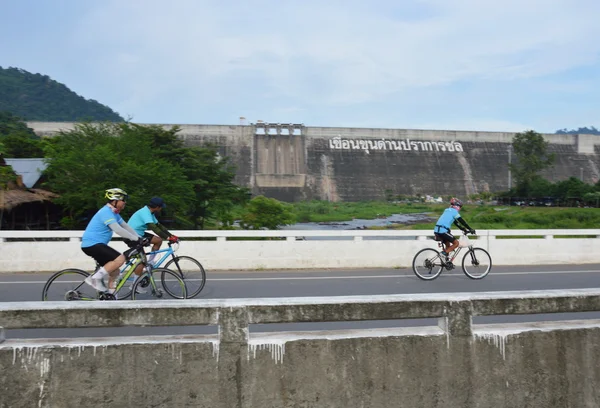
x=486, y=65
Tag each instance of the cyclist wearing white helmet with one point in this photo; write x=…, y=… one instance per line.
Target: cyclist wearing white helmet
x=442, y=231
x=98, y=234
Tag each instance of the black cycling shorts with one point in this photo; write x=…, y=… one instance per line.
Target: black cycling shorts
x=444, y=237
x=101, y=253
x=132, y=244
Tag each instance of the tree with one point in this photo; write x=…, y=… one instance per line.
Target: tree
x=143, y=160
x=215, y=193
x=83, y=162
x=531, y=151
x=17, y=139
x=210, y=174
x=10, y=123
x=540, y=187
x=21, y=145
x=592, y=198
x=7, y=176
x=572, y=188
x=262, y=212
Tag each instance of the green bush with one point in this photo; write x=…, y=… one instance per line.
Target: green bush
x=267, y=213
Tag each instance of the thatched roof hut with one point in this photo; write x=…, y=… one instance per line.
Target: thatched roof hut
x=10, y=199
x=28, y=209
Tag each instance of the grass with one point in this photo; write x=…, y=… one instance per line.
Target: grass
x=324, y=211
x=478, y=216
x=490, y=217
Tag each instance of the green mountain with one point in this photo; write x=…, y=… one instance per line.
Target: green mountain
x=38, y=97
x=582, y=130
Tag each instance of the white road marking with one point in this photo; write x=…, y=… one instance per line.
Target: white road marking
x=453, y=273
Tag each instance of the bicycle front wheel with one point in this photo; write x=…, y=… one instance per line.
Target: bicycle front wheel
x=427, y=264
x=192, y=273
x=477, y=263
x=147, y=286
x=68, y=285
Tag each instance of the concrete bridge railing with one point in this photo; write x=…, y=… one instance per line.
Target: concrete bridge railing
x=454, y=364
x=25, y=251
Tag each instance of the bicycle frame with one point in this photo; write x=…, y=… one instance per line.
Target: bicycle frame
x=458, y=251
x=156, y=264
x=455, y=254
x=168, y=252
x=127, y=272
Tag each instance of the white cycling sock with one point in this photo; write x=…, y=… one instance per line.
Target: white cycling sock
x=100, y=273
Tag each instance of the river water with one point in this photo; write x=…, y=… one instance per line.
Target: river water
x=404, y=219
x=359, y=224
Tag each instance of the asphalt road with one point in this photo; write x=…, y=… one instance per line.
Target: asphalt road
x=299, y=283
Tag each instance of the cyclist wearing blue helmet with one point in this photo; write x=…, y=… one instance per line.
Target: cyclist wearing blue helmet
x=442, y=231
x=145, y=218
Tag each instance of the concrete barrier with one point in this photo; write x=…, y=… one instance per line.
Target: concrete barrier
x=456, y=364
x=25, y=251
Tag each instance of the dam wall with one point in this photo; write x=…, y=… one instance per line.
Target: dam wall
x=293, y=162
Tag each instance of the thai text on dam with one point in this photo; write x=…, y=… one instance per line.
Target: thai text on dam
x=337, y=143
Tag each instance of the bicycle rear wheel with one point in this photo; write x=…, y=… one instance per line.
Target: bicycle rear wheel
x=477, y=263
x=147, y=286
x=427, y=264
x=192, y=273
x=68, y=285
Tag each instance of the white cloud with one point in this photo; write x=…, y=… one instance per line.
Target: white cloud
x=337, y=53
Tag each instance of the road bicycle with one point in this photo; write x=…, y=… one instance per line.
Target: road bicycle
x=68, y=284
x=428, y=263
x=188, y=269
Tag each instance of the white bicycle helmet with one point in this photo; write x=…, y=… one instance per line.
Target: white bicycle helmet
x=116, y=194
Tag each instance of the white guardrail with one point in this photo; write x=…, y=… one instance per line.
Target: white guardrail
x=29, y=251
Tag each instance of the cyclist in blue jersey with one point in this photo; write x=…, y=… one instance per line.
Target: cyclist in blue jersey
x=98, y=234
x=442, y=231
x=145, y=218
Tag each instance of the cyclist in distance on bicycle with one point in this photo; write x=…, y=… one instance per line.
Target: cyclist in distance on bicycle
x=442, y=231
x=145, y=218
x=98, y=234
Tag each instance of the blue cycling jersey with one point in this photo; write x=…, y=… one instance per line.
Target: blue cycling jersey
x=446, y=219
x=140, y=219
x=98, y=230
